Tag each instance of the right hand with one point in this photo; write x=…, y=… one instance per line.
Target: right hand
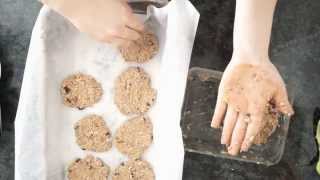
x=110, y=21
x=248, y=85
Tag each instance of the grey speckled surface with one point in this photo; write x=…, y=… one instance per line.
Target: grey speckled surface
x=16, y=21
x=294, y=49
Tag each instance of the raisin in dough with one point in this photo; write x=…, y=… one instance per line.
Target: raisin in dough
x=134, y=170
x=80, y=91
x=142, y=49
x=134, y=136
x=93, y=134
x=133, y=92
x=88, y=168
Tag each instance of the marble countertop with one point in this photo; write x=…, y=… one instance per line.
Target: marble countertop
x=294, y=49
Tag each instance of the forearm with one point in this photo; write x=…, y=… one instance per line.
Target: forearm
x=63, y=7
x=252, y=27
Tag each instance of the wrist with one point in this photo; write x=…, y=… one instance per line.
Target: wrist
x=243, y=56
x=252, y=26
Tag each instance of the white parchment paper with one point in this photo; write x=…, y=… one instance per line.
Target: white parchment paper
x=45, y=142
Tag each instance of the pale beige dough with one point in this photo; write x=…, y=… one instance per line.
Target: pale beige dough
x=271, y=121
x=142, y=49
x=92, y=133
x=134, y=170
x=80, y=91
x=134, y=136
x=133, y=92
x=88, y=168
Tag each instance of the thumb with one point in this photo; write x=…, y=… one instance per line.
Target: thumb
x=282, y=102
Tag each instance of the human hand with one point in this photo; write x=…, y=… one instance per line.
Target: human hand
x=110, y=21
x=247, y=87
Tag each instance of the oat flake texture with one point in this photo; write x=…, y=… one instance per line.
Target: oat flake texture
x=92, y=133
x=133, y=92
x=80, y=91
x=88, y=168
x=134, y=170
x=134, y=136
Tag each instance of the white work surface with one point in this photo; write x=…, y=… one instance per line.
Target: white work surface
x=45, y=143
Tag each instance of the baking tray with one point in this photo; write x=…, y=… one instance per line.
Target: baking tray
x=199, y=137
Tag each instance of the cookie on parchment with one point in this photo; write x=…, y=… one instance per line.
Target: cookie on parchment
x=134, y=170
x=92, y=133
x=134, y=136
x=88, y=168
x=80, y=91
x=133, y=92
x=142, y=49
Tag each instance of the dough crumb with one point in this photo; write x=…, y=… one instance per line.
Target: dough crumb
x=271, y=123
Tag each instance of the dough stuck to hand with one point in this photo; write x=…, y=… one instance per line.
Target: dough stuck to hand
x=134, y=136
x=88, y=168
x=134, y=170
x=271, y=123
x=142, y=49
x=133, y=92
x=93, y=134
x=80, y=91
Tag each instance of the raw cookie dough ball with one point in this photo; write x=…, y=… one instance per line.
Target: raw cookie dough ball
x=134, y=136
x=141, y=50
x=93, y=134
x=271, y=123
x=88, y=168
x=133, y=92
x=80, y=91
x=134, y=170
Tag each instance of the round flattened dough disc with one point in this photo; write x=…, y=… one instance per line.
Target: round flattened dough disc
x=80, y=91
x=134, y=170
x=88, y=168
x=142, y=49
x=134, y=136
x=133, y=92
x=92, y=133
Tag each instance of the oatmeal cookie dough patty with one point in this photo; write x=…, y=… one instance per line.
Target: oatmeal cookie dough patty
x=142, y=49
x=134, y=136
x=88, y=168
x=92, y=133
x=134, y=170
x=80, y=91
x=133, y=92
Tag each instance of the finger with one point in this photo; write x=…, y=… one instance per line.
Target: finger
x=228, y=125
x=254, y=127
x=132, y=21
x=282, y=102
x=124, y=33
x=114, y=40
x=220, y=109
x=238, y=135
